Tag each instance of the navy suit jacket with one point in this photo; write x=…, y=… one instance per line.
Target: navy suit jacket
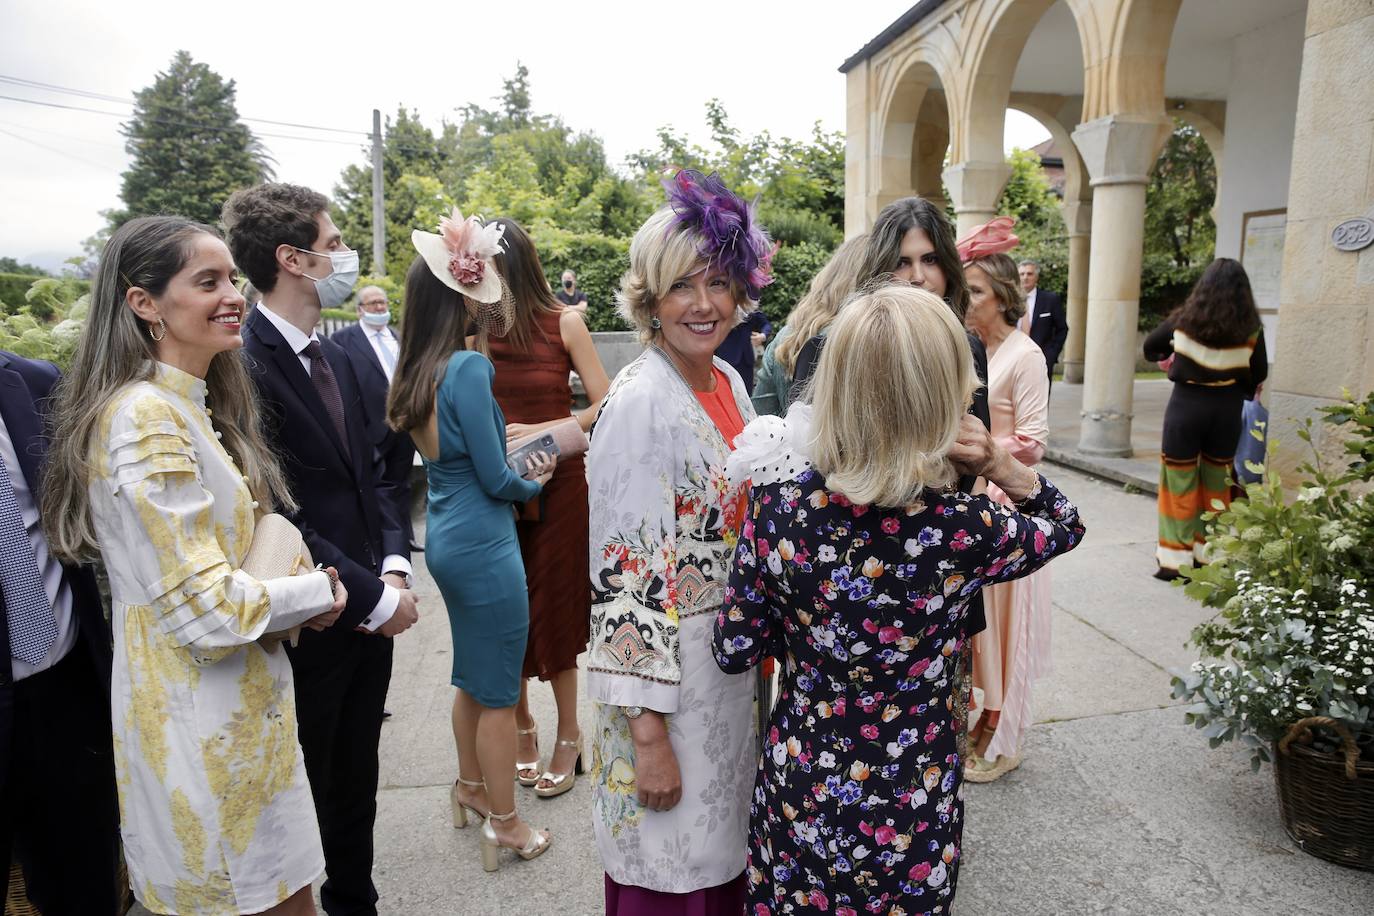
x=372, y=380
x=1049, y=328
x=349, y=515
x=24, y=388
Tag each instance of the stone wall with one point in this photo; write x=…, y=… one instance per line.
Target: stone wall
x=1327, y=296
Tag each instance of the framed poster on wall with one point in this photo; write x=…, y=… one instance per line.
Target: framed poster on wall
x=1261, y=253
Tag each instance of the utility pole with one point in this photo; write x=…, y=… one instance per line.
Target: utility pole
x=378, y=208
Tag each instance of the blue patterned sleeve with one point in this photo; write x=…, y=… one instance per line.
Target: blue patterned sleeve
x=746, y=629
x=1019, y=541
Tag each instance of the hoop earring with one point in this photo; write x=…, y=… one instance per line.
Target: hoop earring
x=155, y=338
x=655, y=323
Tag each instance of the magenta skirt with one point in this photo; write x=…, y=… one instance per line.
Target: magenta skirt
x=722, y=900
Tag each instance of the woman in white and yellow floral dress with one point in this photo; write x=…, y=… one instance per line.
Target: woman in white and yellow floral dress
x=215, y=808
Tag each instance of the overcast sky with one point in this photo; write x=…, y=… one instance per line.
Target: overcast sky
x=619, y=69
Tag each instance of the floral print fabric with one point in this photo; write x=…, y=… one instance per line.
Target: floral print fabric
x=857, y=802
x=664, y=521
x=215, y=810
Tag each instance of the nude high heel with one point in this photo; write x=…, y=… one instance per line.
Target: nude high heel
x=521, y=766
x=460, y=810
x=535, y=845
x=562, y=782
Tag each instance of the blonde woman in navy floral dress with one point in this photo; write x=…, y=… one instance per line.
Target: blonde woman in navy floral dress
x=856, y=568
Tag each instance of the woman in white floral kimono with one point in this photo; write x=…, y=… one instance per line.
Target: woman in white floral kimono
x=674, y=747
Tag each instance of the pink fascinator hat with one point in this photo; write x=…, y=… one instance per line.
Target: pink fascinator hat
x=993, y=237
x=461, y=253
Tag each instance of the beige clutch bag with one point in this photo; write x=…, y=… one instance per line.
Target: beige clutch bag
x=278, y=550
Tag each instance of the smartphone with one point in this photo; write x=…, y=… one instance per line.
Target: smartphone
x=518, y=460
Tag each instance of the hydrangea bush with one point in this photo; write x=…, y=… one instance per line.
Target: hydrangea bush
x=1292, y=579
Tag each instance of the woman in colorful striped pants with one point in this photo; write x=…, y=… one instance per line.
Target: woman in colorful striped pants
x=1214, y=348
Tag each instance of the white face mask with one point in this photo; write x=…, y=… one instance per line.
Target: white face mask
x=335, y=289
x=376, y=319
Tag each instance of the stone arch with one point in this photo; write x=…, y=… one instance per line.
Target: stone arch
x=1129, y=78
x=912, y=129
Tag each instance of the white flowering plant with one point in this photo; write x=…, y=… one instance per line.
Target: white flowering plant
x=1292, y=579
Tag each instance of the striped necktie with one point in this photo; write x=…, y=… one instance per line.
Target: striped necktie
x=32, y=626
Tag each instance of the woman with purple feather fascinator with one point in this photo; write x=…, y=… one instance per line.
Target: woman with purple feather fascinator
x=664, y=520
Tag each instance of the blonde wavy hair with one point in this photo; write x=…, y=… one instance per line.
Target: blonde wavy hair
x=661, y=253
x=1004, y=282
x=829, y=290
x=894, y=380
x=115, y=350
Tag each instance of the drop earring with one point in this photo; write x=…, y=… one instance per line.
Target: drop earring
x=161, y=324
x=655, y=323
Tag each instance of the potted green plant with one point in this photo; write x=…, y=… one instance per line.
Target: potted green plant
x=1287, y=663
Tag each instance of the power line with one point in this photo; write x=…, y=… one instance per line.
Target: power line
x=54, y=149
x=35, y=84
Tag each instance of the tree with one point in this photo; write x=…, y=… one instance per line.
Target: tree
x=1039, y=222
x=10, y=265
x=1179, y=200
x=190, y=150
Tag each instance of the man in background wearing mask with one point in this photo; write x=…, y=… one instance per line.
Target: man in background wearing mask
x=373, y=348
x=282, y=238
x=572, y=297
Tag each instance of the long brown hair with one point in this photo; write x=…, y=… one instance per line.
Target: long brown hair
x=830, y=288
x=1220, y=310
x=885, y=246
x=433, y=327
x=518, y=263
x=115, y=350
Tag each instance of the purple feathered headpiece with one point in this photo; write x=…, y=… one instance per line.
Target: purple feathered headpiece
x=731, y=237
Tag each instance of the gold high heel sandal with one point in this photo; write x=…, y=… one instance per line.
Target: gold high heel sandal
x=521, y=766
x=461, y=810
x=535, y=845
x=562, y=782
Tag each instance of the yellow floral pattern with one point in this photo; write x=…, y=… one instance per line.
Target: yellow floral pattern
x=216, y=812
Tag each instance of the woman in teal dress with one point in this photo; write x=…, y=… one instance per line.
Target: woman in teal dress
x=441, y=394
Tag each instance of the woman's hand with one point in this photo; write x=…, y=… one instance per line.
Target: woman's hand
x=658, y=781
x=521, y=430
x=325, y=620
x=540, y=467
x=976, y=452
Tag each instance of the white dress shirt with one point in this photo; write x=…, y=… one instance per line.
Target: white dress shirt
x=55, y=586
x=298, y=340
x=385, y=345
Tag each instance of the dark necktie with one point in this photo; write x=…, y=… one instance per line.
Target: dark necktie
x=322, y=377
x=32, y=627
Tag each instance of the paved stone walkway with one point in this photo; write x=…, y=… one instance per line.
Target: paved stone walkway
x=1119, y=807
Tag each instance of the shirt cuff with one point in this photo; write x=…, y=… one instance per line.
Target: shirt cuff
x=395, y=563
x=386, y=606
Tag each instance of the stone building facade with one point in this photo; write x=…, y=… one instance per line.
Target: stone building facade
x=1283, y=92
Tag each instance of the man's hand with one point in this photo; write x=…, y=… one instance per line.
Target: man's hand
x=407, y=613
x=757, y=338
x=395, y=580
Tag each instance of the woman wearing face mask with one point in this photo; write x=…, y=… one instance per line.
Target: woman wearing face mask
x=157, y=465
x=1014, y=649
x=673, y=748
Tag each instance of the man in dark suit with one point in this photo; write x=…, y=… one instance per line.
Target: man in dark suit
x=59, y=815
x=282, y=237
x=1044, y=320
x=373, y=348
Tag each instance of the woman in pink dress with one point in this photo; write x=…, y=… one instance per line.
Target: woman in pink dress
x=1014, y=649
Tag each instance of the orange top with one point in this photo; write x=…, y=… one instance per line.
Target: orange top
x=721, y=408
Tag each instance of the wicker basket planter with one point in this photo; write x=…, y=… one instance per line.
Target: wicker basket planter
x=1326, y=800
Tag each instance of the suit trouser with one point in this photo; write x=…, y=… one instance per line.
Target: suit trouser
x=341, y=683
x=59, y=814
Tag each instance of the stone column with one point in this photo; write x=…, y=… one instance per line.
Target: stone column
x=1118, y=151
x=974, y=188
x=1078, y=222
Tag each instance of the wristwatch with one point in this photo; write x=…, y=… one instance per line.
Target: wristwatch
x=634, y=712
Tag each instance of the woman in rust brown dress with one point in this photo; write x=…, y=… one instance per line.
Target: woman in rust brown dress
x=532, y=362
